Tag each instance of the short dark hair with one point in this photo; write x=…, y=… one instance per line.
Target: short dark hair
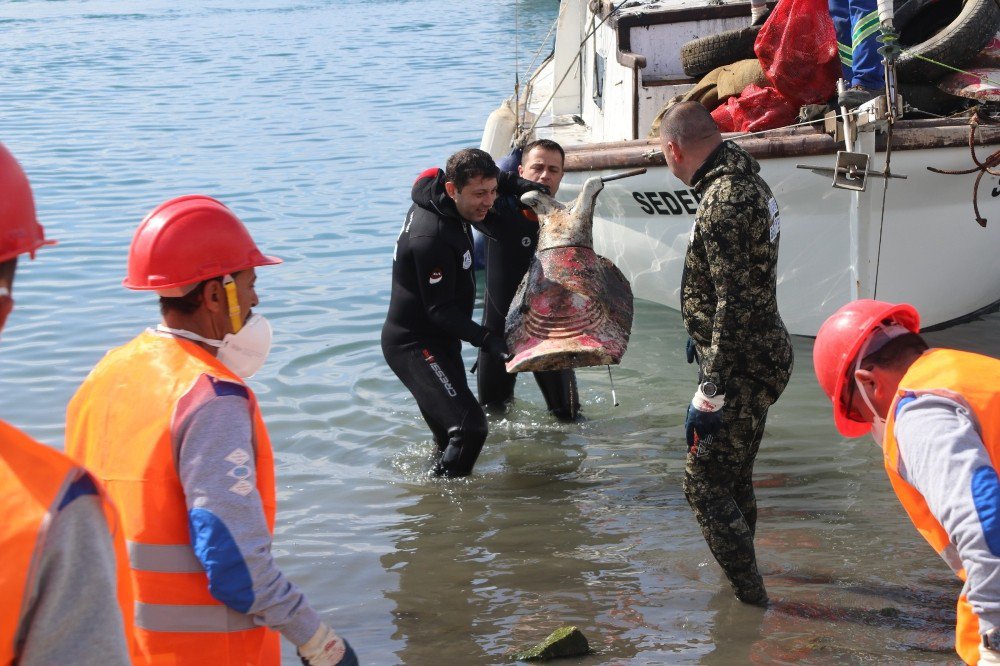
x=687, y=123
x=896, y=353
x=543, y=144
x=470, y=163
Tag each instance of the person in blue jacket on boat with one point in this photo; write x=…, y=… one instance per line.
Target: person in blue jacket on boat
x=858, y=32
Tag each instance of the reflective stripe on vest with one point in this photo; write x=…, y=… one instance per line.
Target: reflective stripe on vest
x=131, y=397
x=163, y=559
x=175, y=618
x=974, y=382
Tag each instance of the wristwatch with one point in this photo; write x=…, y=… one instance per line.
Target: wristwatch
x=991, y=640
x=710, y=389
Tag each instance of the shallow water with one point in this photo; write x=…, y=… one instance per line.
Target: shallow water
x=311, y=121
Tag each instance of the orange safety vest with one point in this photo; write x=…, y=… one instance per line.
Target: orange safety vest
x=119, y=425
x=34, y=480
x=974, y=382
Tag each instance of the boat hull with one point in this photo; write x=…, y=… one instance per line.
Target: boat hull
x=925, y=249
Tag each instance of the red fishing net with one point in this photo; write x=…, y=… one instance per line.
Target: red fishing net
x=797, y=48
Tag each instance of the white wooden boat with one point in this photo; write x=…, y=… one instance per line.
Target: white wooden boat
x=914, y=240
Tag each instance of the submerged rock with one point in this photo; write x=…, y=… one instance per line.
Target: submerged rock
x=563, y=642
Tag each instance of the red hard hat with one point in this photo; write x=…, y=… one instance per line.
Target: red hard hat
x=186, y=240
x=838, y=341
x=19, y=228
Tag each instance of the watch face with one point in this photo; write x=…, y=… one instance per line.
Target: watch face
x=709, y=389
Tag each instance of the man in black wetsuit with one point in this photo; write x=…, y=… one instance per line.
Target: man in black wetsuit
x=433, y=292
x=507, y=258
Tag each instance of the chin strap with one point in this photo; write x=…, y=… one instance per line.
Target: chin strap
x=188, y=335
x=234, y=303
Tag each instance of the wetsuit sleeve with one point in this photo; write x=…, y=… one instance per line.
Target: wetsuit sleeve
x=226, y=517
x=437, y=275
x=944, y=459
x=76, y=618
x=723, y=228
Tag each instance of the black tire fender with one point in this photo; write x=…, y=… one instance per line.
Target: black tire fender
x=700, y=56
x=929, y=98
x=948, y=31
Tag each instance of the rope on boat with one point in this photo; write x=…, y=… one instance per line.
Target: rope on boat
x=528, y=88
x=840, y=116
x=982, y=78
x=517, y=68
x=534, y=58
x=569, y=69
x=984, y=167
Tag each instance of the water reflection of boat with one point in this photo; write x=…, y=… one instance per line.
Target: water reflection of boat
x=914, y=240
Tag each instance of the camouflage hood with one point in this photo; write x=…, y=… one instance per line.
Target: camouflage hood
x=727, y=160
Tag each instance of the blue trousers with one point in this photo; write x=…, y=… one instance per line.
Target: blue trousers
x=857, y=26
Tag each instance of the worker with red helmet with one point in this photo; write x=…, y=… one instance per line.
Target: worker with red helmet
x=936, y=415
x=61, y=603
x=170, y=426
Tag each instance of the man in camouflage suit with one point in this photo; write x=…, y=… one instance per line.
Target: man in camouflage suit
x=743, y=349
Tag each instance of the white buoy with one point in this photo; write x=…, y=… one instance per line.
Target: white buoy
x=498, y=134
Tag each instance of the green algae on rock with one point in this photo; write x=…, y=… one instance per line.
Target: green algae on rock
x=563, y=642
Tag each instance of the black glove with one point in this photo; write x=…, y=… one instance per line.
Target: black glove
x=701, y=425
x=494, y=344
x=510, y=184
x=704, y=417
x=524, y=186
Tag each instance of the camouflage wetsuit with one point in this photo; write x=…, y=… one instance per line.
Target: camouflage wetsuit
x=730, y=311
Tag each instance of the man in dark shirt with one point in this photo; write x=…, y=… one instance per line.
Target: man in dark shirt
x=730, y=310
x=430, y=308
x=508, y=256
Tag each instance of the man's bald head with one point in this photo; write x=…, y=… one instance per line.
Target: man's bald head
x=689, y=124
x=688, y=135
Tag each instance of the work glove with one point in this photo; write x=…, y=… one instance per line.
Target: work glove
x=326, y=648
x=495, y=344
x=510, y=184
x=890, y=48
x=704, y=417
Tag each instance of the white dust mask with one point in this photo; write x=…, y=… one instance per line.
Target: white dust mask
x=244, y=352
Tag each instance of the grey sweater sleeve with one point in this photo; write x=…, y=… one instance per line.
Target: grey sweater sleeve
x=944, y=459
x=226, y=516
x=76, y=618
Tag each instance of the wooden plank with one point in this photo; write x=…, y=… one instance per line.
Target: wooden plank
x=786, y=142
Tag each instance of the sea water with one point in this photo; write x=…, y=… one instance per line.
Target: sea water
x=311, y=120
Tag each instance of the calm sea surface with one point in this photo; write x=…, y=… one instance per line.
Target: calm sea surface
x=311, y=120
